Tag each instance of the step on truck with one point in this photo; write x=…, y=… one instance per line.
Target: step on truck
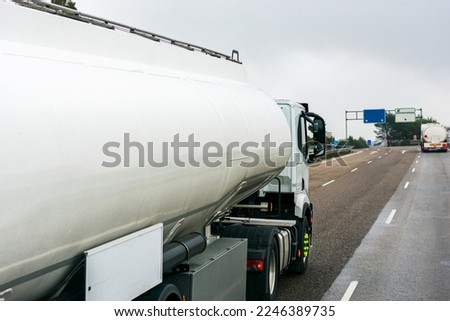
x=140, y=167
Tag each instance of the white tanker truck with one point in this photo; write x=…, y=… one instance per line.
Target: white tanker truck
x=434, y=137
x=134, y=166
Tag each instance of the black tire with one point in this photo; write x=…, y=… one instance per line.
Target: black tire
x=162, y=292
x=262, y=286
x=262, y=245
x=300, y=265
x=272, y=272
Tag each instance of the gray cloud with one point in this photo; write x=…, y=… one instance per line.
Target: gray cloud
x=336, y=54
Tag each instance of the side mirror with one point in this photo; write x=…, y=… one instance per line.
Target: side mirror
x=319, y=135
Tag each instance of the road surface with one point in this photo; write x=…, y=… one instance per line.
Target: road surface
x=406, y=254
x=348, y=194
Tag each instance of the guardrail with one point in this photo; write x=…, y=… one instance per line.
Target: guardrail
x=341, y=150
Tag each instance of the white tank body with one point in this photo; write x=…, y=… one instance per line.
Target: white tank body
x=433, y=133
x=68, y=88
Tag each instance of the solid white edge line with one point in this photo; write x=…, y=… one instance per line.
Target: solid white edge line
x=327, y=183
x=406, y=185
x=391, y=216
x=351, y=288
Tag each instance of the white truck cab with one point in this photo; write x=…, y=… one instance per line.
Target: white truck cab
x=281, y=213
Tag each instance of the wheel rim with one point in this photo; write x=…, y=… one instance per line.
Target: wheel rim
x=272, y=271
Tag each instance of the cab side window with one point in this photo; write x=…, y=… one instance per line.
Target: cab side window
x=302, y=136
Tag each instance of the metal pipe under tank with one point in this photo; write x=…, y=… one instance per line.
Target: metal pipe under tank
x=183, y=249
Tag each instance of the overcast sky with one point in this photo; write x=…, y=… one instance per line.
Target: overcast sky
x=337, y=55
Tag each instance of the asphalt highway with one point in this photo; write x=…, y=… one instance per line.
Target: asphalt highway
x=348, y=193
x=406, y=254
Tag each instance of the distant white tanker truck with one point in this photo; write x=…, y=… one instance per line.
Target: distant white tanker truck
x=135, y=166
x=434, y=137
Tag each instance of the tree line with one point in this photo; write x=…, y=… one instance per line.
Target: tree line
x=399, y=134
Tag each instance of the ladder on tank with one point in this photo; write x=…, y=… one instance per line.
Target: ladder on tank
x=87, y=18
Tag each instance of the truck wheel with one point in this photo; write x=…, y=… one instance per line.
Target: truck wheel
x=162, y=292
x=271, y=272
x=262, y=286
x=263, y=247
x=304, y=245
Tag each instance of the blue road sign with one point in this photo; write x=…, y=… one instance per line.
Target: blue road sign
x=374, y=116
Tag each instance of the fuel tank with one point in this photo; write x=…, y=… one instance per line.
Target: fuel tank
x=104, y=133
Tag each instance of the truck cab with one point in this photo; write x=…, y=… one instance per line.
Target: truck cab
x=278, y=219
x=308, y=142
